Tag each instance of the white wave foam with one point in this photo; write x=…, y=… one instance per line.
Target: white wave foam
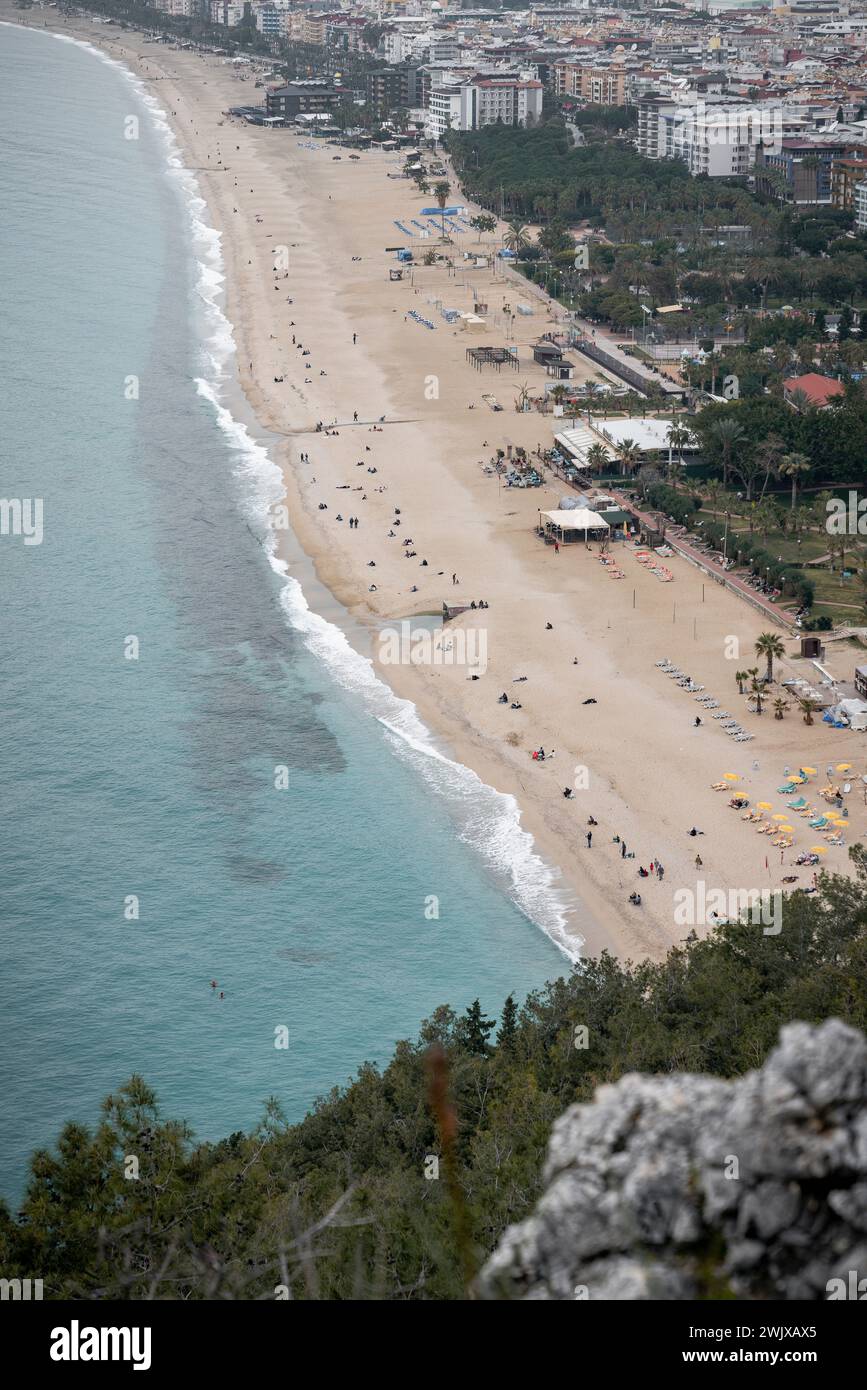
x=487, y=820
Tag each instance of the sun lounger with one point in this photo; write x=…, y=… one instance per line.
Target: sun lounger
x=819, y=823
x=786, y=789
x=797, y=805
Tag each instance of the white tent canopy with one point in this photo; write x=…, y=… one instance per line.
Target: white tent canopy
x=576, y=519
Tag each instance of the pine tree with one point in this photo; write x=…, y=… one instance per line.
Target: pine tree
x=507, y=1036
x=475, y=1029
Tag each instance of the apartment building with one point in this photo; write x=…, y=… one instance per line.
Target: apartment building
x=802, y=169
x=300, y=98
x=390, y=88
x=443, y=109
x=859, y=204
x=846, y=174
x=313, y=29
x=718, y=140
x=482, y=100
x=511, y=101
x=605, y=86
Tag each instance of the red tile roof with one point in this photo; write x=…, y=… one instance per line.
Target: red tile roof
x=818, y=389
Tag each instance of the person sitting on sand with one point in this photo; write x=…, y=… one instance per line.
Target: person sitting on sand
x=568, y=793
x=504, y=699
x=517, y=705
x=635, y=899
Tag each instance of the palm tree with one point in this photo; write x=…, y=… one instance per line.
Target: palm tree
x=780, y=707
x=799, y=399
x=809, y=707
x=516, y=237
x=770, y=452
x=756, y=689
x=630, y=456
x=441, y=193
x=838, y=545
x=770, y=645
x=792, y=466
x=740, y=677
x=678, y=437
x=727, y=436
x=597, y=457
x=713, y=493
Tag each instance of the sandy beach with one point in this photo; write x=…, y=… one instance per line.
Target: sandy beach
x=327, y=337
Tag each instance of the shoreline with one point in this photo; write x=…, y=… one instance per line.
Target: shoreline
x=626, y=800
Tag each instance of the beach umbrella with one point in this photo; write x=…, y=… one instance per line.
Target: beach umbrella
x=797, y=781
x=786, y=827
x=819, y=849
x=731, y=776
x=810, y=770
x=843, y=767
x=764, y=805
x=778, y=816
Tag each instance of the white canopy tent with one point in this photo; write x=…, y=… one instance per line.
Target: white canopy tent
x=569, y=524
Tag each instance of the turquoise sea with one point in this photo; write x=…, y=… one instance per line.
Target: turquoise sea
x=151, y=776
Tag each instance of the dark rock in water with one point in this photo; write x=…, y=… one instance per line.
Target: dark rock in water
x=684, y=1187
x=246, y=870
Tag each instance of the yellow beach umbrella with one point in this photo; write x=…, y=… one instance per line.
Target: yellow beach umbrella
x=786, y=827
x=810, y=770
x=778, y=816
x=764, y=805
x=798, y=781
x=843, y=767
x=819, y=849
x=731, y=776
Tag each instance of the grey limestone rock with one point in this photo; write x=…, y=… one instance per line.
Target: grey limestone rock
x=680, y=1187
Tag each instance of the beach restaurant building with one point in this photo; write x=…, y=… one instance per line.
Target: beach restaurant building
x=649, y=434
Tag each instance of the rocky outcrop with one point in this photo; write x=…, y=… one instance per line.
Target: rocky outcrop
x=683, y=1187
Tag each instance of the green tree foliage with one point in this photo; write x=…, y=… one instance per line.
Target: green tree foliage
x=348, y=1203
x=538, y=174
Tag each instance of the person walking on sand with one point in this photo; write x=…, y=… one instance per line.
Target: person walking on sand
x=698, y=861
x=556, y=547
x=622, y=849
x=589, y=838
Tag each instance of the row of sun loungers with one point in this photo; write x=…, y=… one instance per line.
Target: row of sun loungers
x=708, y=702
x=651, y=563
x=614, y=570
